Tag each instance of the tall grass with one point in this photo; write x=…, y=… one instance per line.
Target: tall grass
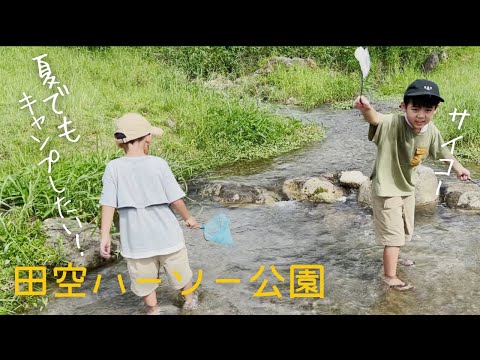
x=22, y=244
x=304, y=86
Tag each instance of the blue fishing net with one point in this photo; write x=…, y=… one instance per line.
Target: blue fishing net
x=217, y=230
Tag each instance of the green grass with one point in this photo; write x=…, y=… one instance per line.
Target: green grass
x=22, y=244
x=211, y=129
x=304, y=86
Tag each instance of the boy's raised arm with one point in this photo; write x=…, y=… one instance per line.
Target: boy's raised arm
x=369, y=113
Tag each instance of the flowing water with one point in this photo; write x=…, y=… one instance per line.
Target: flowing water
x=445, y=246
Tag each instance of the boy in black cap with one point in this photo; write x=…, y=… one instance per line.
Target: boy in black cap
x=403, y=141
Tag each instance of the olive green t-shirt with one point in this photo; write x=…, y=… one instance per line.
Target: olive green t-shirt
x=399, y=152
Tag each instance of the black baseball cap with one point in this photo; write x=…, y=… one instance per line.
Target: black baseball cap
x=423, y=87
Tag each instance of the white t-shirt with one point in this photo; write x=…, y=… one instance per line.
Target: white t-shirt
x=141, y=189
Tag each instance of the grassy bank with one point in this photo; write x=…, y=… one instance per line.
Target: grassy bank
x=203, y=129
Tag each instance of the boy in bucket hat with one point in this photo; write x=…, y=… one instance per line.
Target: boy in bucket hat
x=143, y=189
x=403, y=141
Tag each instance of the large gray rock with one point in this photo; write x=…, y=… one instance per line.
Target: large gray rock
x=365, y=193
x=89, y=240
x=316, y=189
x=470, y=200
x=232, y=193
x=426, y=186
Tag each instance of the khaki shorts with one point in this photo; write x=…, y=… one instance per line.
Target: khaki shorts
x=176, y=268
x=393, y=219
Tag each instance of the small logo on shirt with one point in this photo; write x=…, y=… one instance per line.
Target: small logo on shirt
x=426, y=87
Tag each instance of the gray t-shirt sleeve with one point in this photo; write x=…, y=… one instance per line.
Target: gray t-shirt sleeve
x=109, y=190
x=173, y=191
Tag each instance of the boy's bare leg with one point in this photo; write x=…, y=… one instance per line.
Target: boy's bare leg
x=188, y=297
x=390, y=259
x=151, y=302
x=191, y=299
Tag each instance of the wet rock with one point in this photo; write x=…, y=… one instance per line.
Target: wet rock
x=211, y=189
x=89, y=240
x=233, y=193
x=469, y=200
x=365, y=193
x=317, y=189
x=352, y=179
x=453, y=192
x=330, y=176
x=428, y=209
x=426, y=186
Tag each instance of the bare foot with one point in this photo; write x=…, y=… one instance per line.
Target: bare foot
x=397, y=284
